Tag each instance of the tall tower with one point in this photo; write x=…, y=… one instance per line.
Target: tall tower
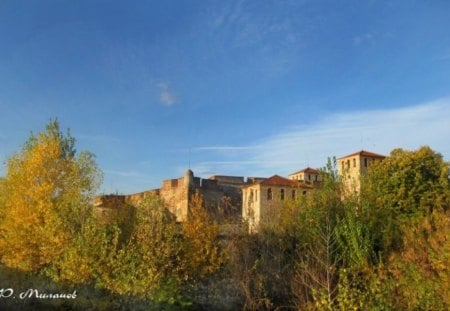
x=353, y=166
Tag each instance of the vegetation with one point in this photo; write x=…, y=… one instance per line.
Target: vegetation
x=387, y=248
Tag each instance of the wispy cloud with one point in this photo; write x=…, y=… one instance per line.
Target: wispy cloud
x=363, y=38
x=371, y=37
x=336, y=135
x=166, y=95
x=274, y=41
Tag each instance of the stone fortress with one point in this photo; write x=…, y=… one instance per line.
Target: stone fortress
x=233, y=198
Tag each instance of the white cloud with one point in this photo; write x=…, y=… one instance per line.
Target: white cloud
x=363, y=38
x=378, y=130
x=166, y=94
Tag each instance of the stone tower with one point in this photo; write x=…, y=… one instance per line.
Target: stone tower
x=353, y=166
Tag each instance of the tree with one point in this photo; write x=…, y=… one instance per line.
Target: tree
x=402, y=220
x=319, y=255
x=203, y=254
x=149, y=265
x=45, y=199
x=404, y=186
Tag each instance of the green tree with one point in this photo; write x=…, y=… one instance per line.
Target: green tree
x=406, y=185
x=319, y=256
x=396, y=240
x=149, y=265
x=45, y=199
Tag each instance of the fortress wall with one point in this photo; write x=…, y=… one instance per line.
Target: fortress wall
x=136, y=198
x=233, y=180
x=197, y=182
x=222, y=196
x=209, y=184
x=109, y=200
x=223, y=202
x=170, y=183
x=176, y=198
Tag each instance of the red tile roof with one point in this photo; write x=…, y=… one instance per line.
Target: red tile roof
x=306, y=170
x=365, y=154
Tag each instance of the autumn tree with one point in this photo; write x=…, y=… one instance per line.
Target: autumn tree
x=406, y=185
x=149, y=264
x=402, y=217
x=203, y=253
x=45, y=199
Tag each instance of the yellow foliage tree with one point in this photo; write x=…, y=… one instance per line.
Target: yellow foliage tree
x=45, y=198
x=203, y=255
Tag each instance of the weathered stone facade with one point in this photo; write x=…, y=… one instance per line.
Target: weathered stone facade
x=351, y=167
x=221, y=195
x=308, y=175
x=261, y=198
x=233, y=198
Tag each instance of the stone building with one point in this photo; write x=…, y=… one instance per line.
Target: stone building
x=351, y=167
x=307, y=175
x=261, y=197
x=233, y=198
x=221, y=196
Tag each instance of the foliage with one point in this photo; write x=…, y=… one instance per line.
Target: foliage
x=202, y=248
x=384, y=248
x=45, y=199
x=319, y=256
x=406, y=185
x=149, y=264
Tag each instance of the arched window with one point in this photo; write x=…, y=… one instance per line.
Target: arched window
x=348, y=163
x=354, y=162
x=282, y=194
x=269, y=194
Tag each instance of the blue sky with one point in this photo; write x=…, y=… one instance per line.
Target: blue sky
x=249, y=88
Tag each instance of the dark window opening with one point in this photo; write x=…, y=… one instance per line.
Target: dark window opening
x=269, y=194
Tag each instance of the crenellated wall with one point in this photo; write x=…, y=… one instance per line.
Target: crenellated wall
x=221, y=196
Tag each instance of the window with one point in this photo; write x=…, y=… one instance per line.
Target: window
x=365, y=162
x=354, y=162
x=304, y=192
x=348, y=163
x=282, y=194
x=269, y=194
x=317, y=177
x=293, y=194
x=250, y=199
x=309, y=176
